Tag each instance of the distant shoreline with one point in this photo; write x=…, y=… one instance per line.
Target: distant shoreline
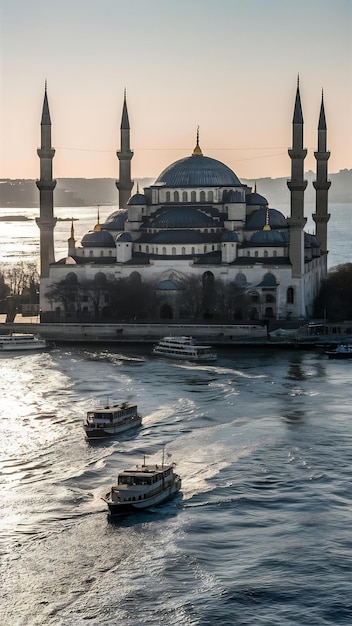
x=24, y=218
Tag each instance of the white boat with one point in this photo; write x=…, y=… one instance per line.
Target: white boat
x=22, y=341
x=111, y=420
x=142, y=487
x=183, y=348
x=342, y=351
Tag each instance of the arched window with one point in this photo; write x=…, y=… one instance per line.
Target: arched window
x=269, y=312
x=210, y=196
x=265, y=253
x=147, y=248
x=167, y=196
x=193, y=196
x=240, y=279
x=205, y=248
x=90, y=252
x=184, y=196
x=208, y=279
x=135, y=278
x=173, y=252
x=176, y=196
x=110, y=252
x=275, y=253
x=248, y=253
x=183, y=250
x=101, y=252
x=164, y=250
x=202, y=196
x=290, y=295
x=193, y=250
x=82, y=252
x=256, y=253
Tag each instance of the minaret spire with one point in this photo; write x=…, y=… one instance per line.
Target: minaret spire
x=297, y=186
x=124, y=155
x=322, y=184
x=197, y=150
x=46, y=185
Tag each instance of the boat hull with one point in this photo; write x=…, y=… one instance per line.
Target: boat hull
x=105, y=433
x=123, y=508
x=185, y=357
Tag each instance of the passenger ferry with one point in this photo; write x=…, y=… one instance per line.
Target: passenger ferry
x=183, y=348
x=142, y=487
x=25, y=341
x=111, y=420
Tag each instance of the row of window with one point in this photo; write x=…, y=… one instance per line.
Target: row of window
x=183, y=251
x=187, y=196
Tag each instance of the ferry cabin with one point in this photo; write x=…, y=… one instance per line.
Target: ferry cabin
x=141, y=483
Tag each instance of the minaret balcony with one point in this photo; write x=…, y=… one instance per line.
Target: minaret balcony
x=322, y=156
x=46, y=153
x=124, y=155
x=297, y=186
x=321, y=219
x=323, y=185
x=296, y=153
x=46, y=185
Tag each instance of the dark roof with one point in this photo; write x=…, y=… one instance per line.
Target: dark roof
x=270, y=237
x=178, y=236
x=269, y=280
x=125, y=236
x=229, y=236
x=137, y=199
x=116, y=220
x=256, y=198
x=97, y=239
x=257, y=219
x=181, y=216
x=198, y=171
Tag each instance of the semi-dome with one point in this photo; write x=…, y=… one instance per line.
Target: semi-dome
x=269, y=237
x=125, y=236
x=137, y=199
x=256, y=199
x=257, y=219
x=178, y=236
x=183, y=217
x=97, y=239
x=116, y=220
x=198, y=171
x=229, y=236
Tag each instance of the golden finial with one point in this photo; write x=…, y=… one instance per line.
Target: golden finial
x=255, y=187
x=267, y=225
x=137, y=187
x=197, y=151
x=97, y=227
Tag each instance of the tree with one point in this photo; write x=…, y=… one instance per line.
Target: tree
x=334, y=300
x=64, y=291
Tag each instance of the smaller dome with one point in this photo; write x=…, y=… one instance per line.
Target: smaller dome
x=256, y=198
x=268, y=236
x=125, y=236
x=182, y=217
x=137, y=199
x=311, y=240
x=229, y=236
x=257, y=219
x=97, y=239
x=116, y=220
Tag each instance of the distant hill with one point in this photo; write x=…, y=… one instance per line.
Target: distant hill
x=21, y=193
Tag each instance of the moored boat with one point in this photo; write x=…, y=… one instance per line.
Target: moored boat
x=22, y=341
x=142, y=487
x=110, y=420
x=342, y=351
x=183, y=348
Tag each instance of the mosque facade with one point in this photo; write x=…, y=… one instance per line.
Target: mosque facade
x=196, y=224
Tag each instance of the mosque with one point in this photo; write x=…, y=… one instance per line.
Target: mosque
x=196, y=225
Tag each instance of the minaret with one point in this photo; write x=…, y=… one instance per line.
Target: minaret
x=322, y=184
x=72, y=242
x=124, y=184
x=46, y=185
x=297, y=185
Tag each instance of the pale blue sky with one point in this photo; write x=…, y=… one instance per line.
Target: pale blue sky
x=229, y=66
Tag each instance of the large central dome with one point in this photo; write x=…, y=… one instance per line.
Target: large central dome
x=198, y=171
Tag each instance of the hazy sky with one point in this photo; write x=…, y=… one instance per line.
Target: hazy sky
x=229, y=66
